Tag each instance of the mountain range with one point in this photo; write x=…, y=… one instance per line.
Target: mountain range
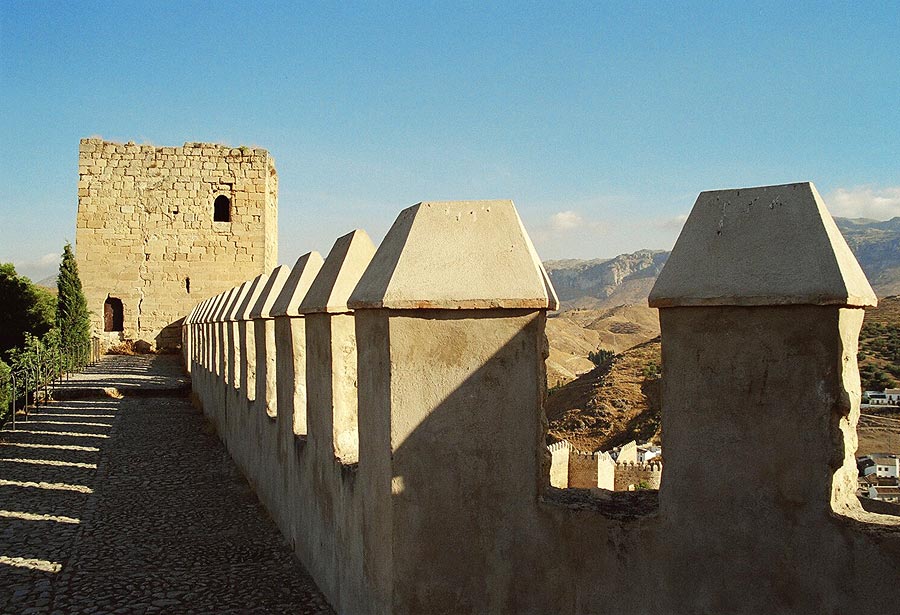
x=603, y=302
x=628, y=278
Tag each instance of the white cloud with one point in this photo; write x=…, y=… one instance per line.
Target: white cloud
x=38, y=268
x=865, y=202
x=673, y=223
x=565, y=221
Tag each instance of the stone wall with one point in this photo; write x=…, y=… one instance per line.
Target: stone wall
x=146, y=235
x=630, y=476
x=448, y=507
x=582, y=470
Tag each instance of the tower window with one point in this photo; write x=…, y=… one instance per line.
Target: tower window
x=187, y=285
x=113, y=315
x=222, y=209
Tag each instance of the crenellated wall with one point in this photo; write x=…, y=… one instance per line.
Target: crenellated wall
x=631, y=476
x=400, y=445
x=582, y=469
x=572, y=468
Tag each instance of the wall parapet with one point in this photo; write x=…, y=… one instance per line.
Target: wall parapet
x=449, y=505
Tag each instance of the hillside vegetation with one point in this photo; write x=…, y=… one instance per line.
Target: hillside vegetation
x=617, y=402
x=879, y=346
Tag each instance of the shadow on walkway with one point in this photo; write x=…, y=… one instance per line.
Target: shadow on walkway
x=132, y=505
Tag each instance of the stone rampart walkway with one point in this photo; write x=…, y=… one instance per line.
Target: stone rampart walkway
x=127, y=503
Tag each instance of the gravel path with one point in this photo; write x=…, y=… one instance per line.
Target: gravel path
x=132, y=505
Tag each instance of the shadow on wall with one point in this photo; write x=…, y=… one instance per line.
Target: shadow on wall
x=468, y=454
x=168, y=341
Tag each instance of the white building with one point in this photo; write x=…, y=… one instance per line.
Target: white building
x=886, y=466
x=876, y=398
x=646, y=452
x=893, y=396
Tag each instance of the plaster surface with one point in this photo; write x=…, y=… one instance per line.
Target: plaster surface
x=761, y=246
x=456, y=254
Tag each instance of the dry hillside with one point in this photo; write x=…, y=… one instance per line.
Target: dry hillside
x=619, y=401
x=611, y=405
x=575, y=333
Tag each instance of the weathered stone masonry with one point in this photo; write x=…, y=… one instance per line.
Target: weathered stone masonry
x=160, y=228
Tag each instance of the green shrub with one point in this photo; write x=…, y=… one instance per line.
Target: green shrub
x=651, y=370
x=5, y=391
x=601, y=356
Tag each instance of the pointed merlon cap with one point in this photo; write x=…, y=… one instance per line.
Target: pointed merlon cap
x=773, y=245
x=456, y=255
x=339, y=274
x=217, y=307
x=262, y=309
x=189, y=319
x=227, y=296
x=302, y=275
x=210, y=304
x=254, y=288
x=236, y=301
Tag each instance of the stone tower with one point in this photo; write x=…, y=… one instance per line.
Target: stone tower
x=161, y=228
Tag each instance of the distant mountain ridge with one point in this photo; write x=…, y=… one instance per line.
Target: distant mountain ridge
x=627, y=278
x=876, y=245
x=606, y=283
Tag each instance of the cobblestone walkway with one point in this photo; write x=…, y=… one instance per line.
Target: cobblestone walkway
x=131, y=505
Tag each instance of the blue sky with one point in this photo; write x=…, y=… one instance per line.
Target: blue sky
x=602, y=121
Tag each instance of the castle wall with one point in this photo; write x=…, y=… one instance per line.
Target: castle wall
x=559, y=464
x=582, y=470
x=450, y=508
x=630, y=476
x=145, y=232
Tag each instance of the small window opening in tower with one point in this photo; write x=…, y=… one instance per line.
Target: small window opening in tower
x=222, y=209
x=113, y=315
x=187, y=285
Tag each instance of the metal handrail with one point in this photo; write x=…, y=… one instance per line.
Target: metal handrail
x=36, y=378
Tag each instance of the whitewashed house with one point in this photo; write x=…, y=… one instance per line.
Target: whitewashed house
x=886, y=466
x=876, y=398
x=646, y=452
x=893, y=396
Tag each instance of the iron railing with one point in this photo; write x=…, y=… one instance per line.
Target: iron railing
x=31, y=380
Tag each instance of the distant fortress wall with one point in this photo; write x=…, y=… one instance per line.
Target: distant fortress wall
x=572, y=468
x=386, y=405
x=630, y=476
x=161, y=228
x=559, y=464
x=582, y=469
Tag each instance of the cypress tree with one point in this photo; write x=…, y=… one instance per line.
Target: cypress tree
x=72, y=316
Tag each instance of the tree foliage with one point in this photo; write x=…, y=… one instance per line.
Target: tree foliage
x=24, y=308
x=601, y=356
x=879, y=355
x=72, y=315
x=5, y=389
